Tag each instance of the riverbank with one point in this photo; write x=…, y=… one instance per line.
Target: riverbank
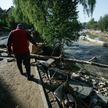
x=98, y=33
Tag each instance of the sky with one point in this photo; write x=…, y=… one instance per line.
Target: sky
x=100, y=10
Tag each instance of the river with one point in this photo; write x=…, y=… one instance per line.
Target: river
x=84, y=50
x=3, y=39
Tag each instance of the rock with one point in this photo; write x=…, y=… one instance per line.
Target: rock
x=104, y=89
x=93, y=81
x=4, y=54
x=101, y=83
x=101, y=86
x=74, y=75
x=87, y=77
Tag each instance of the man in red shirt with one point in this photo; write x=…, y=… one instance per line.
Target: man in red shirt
x=18, y=44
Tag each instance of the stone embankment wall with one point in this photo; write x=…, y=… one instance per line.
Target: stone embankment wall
x=98, y=33
x=105, y=44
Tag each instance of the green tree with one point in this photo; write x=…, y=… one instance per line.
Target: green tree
x=10, y=20
x=105, y=22
x=100, y=24
x=92, y=24
x=3, y=16
x=55, y=20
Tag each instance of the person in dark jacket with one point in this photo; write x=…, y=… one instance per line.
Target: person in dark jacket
x=18, y=45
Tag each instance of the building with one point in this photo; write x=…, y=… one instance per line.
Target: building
x=9, y=11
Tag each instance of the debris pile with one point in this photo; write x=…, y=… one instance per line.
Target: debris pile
x=75, y=89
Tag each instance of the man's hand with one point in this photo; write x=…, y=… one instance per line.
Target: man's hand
x=40, y=44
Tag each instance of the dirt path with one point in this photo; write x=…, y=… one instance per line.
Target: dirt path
x=15, y=90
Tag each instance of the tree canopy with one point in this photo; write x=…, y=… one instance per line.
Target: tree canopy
x=92, y=24
x=103, y=23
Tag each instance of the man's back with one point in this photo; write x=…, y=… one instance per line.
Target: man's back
x=19, y=41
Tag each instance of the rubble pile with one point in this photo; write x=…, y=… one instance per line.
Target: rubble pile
x=76, y=89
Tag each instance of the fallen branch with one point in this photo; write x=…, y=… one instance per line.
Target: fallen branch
x=42, y=57
x=85, y=62
x=93, y=58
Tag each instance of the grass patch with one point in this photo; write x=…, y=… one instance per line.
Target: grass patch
x=74, y=66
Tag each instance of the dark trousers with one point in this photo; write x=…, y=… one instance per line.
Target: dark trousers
x=25, y=59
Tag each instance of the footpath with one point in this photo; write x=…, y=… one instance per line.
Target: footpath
x=16, y=91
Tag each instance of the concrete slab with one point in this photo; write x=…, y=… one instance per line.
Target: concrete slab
x=81, y=88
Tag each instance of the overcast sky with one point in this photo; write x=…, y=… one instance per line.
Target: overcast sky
x=100, y=9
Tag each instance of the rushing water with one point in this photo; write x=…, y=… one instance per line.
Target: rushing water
x=84, y=50
x=3, y=40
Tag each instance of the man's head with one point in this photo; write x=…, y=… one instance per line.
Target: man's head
x=20, y=26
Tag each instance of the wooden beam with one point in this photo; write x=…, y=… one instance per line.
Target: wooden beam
x=85, y=62
x=43, y=57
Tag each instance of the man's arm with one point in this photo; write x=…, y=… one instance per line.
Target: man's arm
x=30, y=38
x=9, y=43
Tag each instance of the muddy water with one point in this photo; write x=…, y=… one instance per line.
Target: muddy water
x=83, y=50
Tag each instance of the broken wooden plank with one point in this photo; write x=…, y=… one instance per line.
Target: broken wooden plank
x=48, y=62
